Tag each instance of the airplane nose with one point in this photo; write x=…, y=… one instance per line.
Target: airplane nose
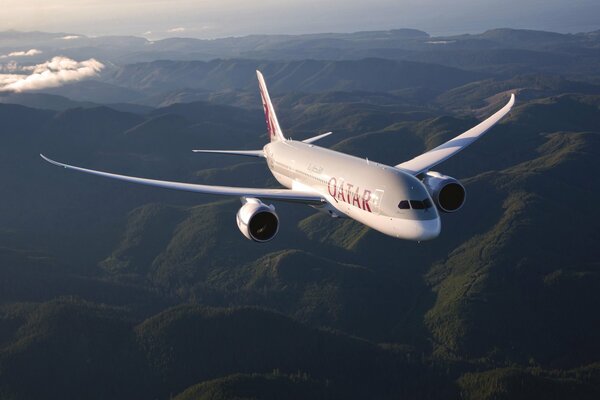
x=417, y=230
x=428, y=229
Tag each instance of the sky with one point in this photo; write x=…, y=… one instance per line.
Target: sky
x=221, y=18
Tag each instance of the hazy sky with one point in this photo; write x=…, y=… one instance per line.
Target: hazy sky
x=218, y=18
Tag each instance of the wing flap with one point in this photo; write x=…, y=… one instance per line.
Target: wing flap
x=433, y=157
x=270, y=194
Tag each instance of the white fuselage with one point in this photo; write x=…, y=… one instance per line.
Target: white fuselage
x=353, y=187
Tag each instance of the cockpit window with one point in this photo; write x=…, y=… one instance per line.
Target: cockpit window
x=417, y=205
x=403, y=205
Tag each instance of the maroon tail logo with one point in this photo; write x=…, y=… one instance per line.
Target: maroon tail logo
x=270, y=127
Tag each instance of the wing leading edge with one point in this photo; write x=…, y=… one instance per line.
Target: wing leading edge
x=287, y=195
x=433, y=157
x=247, y=153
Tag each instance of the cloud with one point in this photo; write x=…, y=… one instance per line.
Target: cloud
x=53, y=73
x=11, y=67
x=175, y=30
x=70, y=37
x=28, y=53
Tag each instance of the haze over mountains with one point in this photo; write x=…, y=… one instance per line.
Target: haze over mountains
x=114, y=290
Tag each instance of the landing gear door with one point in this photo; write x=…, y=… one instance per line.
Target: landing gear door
x=376, y=199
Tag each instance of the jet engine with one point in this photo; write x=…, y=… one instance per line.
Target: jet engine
x=257, y=221
x=447, y=193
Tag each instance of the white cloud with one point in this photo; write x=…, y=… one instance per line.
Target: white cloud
x=8, y=79
x=28, y=53
x=53, y=73
x=11, y=67
x=70, y=37
x=175, y=30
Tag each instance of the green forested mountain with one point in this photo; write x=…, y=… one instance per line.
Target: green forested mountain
x=110, y=290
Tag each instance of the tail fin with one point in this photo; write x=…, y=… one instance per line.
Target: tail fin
x=272, y=123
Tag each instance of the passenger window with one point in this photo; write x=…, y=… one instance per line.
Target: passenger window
x=417, y=205
x=427, y=203
x=403, y=205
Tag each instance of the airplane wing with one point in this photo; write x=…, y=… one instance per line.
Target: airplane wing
x=288, y=195
x=433, y=157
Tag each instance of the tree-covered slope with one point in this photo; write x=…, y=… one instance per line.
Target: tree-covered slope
x=503, y=302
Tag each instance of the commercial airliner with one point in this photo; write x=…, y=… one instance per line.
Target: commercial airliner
x=403, y=201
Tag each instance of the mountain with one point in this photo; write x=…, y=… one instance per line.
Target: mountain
x=257, y=340
x=527, y=87
x=402, y=62
x=259, y=386
x=184, y=345
x=497, y=290
x=308, y=75
x=96, y=91
x=43, y=101
x=474, y=51
x=110, y=290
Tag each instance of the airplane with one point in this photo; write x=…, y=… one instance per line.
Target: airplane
x=403, y=201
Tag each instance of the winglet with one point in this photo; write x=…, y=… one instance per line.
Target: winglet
x=511, y=102
x=52, y=161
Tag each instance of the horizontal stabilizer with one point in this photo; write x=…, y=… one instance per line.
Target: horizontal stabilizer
x=248, y=153
x=315, y=138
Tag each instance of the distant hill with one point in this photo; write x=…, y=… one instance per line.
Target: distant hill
x=397, y=44
x=43, y=101
x=162, y=72
x=96, y=91
x=368, y=74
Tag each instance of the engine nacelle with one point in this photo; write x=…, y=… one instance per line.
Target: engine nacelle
x=257, y=221
x=448, y=193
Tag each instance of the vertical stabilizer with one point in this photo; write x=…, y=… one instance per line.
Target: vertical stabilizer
x=270, y=116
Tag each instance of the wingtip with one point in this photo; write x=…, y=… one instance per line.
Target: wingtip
x=52, y=161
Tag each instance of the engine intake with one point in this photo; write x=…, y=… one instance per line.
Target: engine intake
x=448, y=193
x=257, y=221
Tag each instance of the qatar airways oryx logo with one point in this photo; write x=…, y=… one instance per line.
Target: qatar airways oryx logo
x=349, y=193
x=268, y=117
